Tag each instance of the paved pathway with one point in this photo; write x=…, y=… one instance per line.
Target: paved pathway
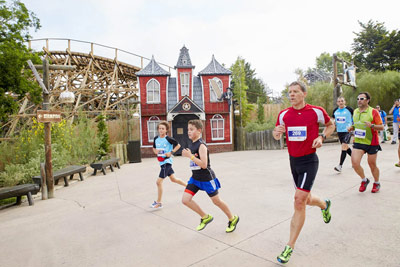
x=106, y=220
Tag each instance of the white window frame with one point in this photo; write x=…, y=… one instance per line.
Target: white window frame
x=152, y=125
x=153, y=91
x=217, y=118
x=212, y=93
x=184, y=85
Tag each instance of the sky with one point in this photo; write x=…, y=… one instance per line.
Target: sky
x=275, y=37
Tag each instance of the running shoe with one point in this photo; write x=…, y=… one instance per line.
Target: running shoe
x=375, y=188
x=285, y=255
x=156, y=205
x=338, y=168
x=397, y=165
x=393, y=142
x=204, y=222
x=364, y=185
x=232, y=224
x=326, y=214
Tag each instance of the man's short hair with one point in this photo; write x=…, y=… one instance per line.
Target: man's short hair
x=302, y=86
x=165, y=124
x=196, y=123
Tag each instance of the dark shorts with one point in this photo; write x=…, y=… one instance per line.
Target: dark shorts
x=211, y=187
x=368, y=148
x=166, y=170
x=344, y=137
x=304, y=169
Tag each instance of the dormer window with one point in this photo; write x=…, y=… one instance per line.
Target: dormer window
x=153, y=91
x=185, y=82
x=215, y=89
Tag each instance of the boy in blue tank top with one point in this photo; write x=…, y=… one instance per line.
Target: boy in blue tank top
x=343, y=119
x=163, y=147
x=203, y=178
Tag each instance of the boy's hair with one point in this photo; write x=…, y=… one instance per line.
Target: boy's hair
x=196, y=123
x=163, y=123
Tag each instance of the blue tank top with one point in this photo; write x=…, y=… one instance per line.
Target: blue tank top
x=343, y=118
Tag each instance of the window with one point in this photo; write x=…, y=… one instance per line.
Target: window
x=215, y=89
x=217, y=127
x=153, y=91
x=152, y=125
x=185, y=83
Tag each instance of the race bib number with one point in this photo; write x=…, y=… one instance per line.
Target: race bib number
x=161, y=153
x=194, y=166
x=298, y=133
x=360, y=133
x=340, y=119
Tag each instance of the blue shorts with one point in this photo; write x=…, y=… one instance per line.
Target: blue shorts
x=166, y=170
x=211, y=187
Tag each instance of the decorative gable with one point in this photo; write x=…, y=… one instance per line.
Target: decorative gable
x=186, y=106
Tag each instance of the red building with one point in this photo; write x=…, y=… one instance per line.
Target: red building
x=186, y=97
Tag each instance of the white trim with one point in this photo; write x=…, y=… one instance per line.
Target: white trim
x=320, y=115
x=217, y=119
x=214, y=144
x=148, y=131
x=222, y=89
x=146, y=146
x=202, y=92
x=180, y=84
x=166, y=93
x=140, y=113
x=304, y=180
x=192, y=85
x=281, y=122
x=159, y=92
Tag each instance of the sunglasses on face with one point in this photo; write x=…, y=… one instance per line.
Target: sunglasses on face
x=361, y=98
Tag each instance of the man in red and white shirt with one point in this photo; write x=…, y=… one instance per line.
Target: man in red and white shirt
x=301, y=125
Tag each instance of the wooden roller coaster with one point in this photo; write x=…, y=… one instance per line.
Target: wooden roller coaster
x=101, y=85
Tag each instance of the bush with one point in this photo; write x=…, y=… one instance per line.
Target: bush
x=71, y=144
x=254, y=126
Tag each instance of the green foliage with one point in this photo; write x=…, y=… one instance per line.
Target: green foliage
x=15, y=22
x=375, y=48
x=256, y=87
x=321, y=94
x=384, y=88
x=102, y=133
x=255, y=126
x=240, y=88
x=260, y=111
x=71, y=144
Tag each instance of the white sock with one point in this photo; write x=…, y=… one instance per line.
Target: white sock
x=377, y=183
x=364, y=180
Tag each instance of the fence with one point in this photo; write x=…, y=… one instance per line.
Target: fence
x=262, y=140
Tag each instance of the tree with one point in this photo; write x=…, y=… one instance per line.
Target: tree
x=375, y=48
x=260, y=111
x=256, y=85
x=240, y=88
x=15, y=81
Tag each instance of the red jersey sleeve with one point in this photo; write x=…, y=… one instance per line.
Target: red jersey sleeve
x=376, y=117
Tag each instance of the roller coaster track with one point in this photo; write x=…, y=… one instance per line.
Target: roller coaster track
x=102, y=85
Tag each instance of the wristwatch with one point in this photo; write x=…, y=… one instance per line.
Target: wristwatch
x=323, y=136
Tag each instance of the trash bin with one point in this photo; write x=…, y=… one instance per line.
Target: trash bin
x=134, y=153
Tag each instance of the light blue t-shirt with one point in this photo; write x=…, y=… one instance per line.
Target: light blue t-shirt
x=343, y=118
x=163, y=146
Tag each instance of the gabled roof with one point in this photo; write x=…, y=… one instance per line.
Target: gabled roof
x=153, y=69
x=186, y=105
x=184, y=59
x=214, y=68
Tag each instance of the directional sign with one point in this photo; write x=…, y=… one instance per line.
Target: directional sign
x=48, y=116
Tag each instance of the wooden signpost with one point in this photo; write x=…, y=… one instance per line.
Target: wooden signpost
x=47, y=117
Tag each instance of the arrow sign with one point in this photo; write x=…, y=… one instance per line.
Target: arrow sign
x=48, y=116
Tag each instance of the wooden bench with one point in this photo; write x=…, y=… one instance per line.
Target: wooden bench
x=63, y=173
x=19, y=191
x=101, y=165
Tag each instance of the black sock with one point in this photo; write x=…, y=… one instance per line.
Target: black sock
x=349, y=151
x=342, y=157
